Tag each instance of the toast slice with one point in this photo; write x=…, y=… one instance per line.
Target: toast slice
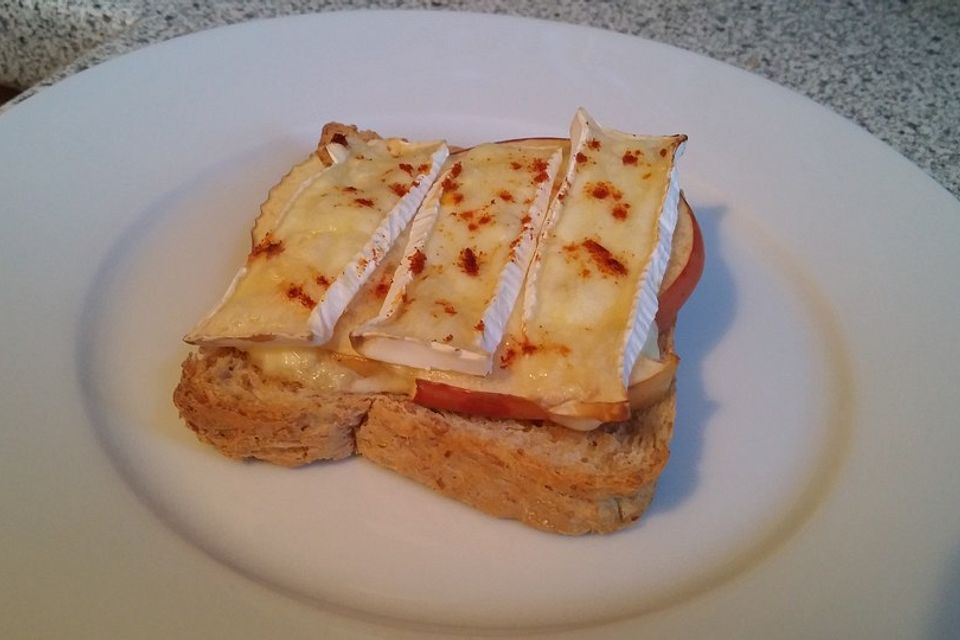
x=229, y=403
x=545, y=475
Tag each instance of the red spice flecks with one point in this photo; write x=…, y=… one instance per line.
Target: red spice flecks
x=539, y=168
x=339, y=138
x=448, y=338
x=399, y=189
x=479, y=326
x=384, y=285
x=594, y=144
x=296, y=292
x=506, y=196
x=663, y=153
x=423, y=168
x=581, y=157
x=585, y=273
x=322, y=281
x=563, y=349
x=364, y=202
x=513, y=248
x=267, y=247
x=602, y=190
x=507, y=358
x=417, y=261
x=631, y=157
x=468, y=262
x=528, y=347
x=516, y=165
x=599, y=191
x=447, y=307
x=456, y=197
x=485, y=219
x=456, y=169
x=525, y=220
x=406, y=168
x=449, y=184
x=647, y=175
x=467, y=215
x=620, y=211
x=605, y=260
x=349, y=189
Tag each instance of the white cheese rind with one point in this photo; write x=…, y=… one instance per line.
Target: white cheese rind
x=494, y=212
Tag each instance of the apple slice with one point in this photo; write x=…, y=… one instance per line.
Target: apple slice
x=437, y=395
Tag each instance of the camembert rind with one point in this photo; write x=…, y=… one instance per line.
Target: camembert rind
x=322, y=219
x=463, y=270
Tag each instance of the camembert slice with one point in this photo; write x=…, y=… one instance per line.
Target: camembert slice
x=590, y=296
x=330, y=230
x=463, y=269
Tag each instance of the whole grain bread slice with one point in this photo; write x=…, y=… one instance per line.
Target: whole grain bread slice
x=232, y=405
x=545, y=475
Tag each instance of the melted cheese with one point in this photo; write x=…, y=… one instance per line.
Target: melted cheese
x=367, y=303
x=323, y=370
x=469, y=249
x=591, y=293
x=325, y=233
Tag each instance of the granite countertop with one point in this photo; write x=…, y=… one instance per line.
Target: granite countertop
x=893, y=67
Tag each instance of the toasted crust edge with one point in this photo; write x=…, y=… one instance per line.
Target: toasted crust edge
x=230, y=404
x=482, y=463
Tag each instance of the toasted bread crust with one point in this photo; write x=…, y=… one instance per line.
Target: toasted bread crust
x=230, y=404
x=544, y=475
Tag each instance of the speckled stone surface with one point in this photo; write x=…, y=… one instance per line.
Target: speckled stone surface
x=39, y=37
x=892, y=67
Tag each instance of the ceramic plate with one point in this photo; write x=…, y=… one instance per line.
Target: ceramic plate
x=813, y=486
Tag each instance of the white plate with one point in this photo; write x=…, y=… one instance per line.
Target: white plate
x=813, y=488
